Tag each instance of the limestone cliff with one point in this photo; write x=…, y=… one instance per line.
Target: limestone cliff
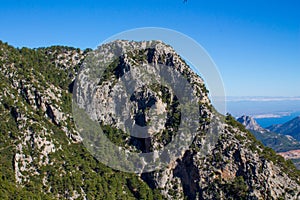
x=42, y=155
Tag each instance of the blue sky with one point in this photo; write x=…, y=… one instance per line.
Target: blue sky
x=255, y=44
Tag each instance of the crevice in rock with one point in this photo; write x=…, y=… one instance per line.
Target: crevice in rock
x=141, y=144
x=189, y=175
x=121, y=68
x=71, y=86
x=149, y=179
x=150, y=55
x=50, y=114
x=15, y=113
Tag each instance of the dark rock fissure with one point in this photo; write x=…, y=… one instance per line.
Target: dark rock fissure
x=188, y=174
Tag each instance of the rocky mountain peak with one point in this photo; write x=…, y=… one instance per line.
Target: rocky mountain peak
x=233, y=158
x=250, y=123
x=43, y=155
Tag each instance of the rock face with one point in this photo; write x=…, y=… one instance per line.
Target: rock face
x=144, y=105
x=250, y=123
x=234, y=167
x=291, y=128
x=41, y=150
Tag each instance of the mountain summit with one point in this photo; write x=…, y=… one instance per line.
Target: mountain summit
x=43, y=155
x=250, y=123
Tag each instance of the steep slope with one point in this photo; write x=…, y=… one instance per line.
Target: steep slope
x=42, y=155
x=291, y=128
x=278, y=142
x=236, y=166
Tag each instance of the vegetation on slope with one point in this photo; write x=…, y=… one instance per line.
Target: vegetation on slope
x=71, y=170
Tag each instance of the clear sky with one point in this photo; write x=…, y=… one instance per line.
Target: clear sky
x=255, y=44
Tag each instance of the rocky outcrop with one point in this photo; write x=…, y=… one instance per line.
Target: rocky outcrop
x=44, y=149
x=33, y=102
x=250, y=123
x=236, y=166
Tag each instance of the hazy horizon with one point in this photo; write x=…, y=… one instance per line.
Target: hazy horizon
x=266, y=110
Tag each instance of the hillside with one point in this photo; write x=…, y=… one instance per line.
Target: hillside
x=291, y=128
x=278, y=142
x=43, y=156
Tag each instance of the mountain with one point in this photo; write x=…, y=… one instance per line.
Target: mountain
x=44, y=156
x=278, y=142
x=291, y=128
x=250, y=123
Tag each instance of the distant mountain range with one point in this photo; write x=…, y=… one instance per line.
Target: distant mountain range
x=291, y=128
x=279, y=141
